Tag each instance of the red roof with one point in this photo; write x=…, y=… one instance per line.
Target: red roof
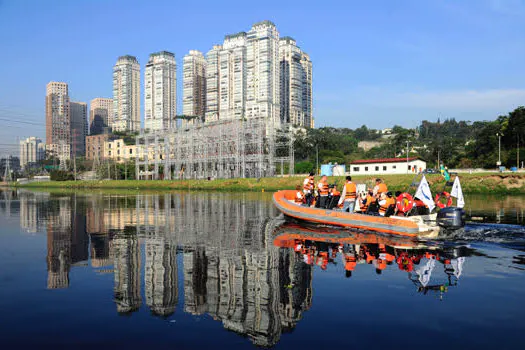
x=383, y=160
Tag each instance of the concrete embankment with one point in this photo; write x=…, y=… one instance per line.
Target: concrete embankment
x=489, y=183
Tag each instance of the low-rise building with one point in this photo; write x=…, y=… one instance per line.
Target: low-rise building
x=118, y=151
x=411, y=165
x=95, y=146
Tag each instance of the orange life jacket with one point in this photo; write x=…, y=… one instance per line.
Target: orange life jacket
x=368, y=201
x=388, y=202
x=322, y=186
x=381, y=188
x=350, y=190
x=308, y=185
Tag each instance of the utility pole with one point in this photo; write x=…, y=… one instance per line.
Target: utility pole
x=518, y=154
x=499, y=135
x=407, y=156
x=317, y=159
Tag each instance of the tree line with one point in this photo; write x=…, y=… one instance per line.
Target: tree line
x=457, y=144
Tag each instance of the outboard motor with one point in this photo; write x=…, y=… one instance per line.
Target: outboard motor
x=451, y=218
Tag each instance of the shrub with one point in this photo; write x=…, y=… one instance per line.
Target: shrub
x=61, y=175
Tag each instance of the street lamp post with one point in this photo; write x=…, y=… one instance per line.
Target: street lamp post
x=499, y=135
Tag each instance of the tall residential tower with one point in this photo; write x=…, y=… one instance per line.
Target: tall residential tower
x=78, y=112
x=295, y=84
x=58, y=121
x=194, y=86
x=100, y=115
x=32, y=151
x=160, y=84
x=262, y=69
x=126, y=94
x=243, y=76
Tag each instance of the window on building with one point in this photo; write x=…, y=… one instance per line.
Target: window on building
x=366, y=168
x=409, y=167
x=131, y=151
x=356, y=168
x=377, y=168
x=384, y=167
x=393, y=166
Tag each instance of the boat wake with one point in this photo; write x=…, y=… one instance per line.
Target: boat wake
x=510, y=236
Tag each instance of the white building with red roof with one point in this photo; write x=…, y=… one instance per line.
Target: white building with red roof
x=412, y=165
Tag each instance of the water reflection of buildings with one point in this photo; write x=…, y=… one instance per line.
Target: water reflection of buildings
x=67, y=242
x=232, y=271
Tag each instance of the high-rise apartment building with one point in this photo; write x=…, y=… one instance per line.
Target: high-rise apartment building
x=232, y=86
x=100, y=115
x=126, y=94
x=160, y=84
x=212, y=84
x=262, y=70
x=58, y=122
x=78, y=113
x=194, y=86
x=295, y=84
x=243, y=76
x=32, y=151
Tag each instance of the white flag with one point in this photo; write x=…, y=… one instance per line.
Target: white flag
x=458, y=193
x=424, y=194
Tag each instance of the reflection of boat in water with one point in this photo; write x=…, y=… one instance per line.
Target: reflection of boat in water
x=325, y=246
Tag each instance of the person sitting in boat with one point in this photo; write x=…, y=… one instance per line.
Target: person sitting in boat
x=322, y=188
x=379, y=188
x=348, y=196
x=420, y=207
x=308, y=188
x=386, y=202
x=333, y=196
x=368, y=201
x=299, y=196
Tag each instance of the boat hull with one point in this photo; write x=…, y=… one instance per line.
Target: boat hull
x=283, y=200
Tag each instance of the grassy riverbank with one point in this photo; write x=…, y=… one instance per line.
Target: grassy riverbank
x=488, y=183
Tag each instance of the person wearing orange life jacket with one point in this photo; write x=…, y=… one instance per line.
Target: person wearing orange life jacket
x=349, y=195
x=308, y=188
x=367, y=200
x=299, y=196
x=379, y=188
x=385, y=202
x=322, y=188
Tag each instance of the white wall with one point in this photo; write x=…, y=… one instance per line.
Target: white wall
x=387, y=168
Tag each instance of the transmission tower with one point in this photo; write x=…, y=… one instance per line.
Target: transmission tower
x=7, y=172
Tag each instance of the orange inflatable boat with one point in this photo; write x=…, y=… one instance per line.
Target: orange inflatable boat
x=403, y=226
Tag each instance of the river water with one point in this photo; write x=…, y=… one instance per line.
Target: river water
x=217, y=270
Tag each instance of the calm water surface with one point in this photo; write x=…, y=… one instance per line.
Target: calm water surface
x=207, y=270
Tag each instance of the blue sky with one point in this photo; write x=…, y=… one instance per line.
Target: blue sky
x=377, y=63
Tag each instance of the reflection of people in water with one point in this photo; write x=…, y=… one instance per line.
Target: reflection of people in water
x=419, y=264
